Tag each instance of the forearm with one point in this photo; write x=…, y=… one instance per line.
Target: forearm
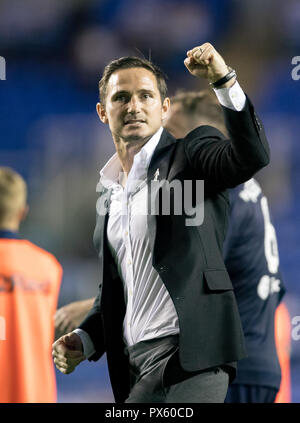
x=93, y=336
x=250, y=127
x=92, y=325
x=232, y=97
x=69, y=317
x=85, y=306
x=247, y=135
x=226, y=164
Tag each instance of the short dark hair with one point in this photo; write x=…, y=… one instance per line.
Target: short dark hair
x=201, y=104
x=132, y=62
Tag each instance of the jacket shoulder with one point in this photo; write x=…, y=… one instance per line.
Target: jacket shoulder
x=204, y=132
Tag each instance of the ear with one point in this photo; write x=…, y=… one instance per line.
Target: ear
x=101, y=113
x=165, y=107
x=23, y=213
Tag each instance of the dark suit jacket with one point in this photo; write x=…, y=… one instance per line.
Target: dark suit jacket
x=187, y=258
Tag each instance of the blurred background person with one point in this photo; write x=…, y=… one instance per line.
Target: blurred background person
x=251, y=257
x=30, y=279
x=68, y=317
x=283, y=346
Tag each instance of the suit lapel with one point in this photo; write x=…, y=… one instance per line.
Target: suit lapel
x=161, y=157
x=158, y=171
x=102, y=209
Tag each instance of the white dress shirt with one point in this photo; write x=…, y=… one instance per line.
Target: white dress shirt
x=150, y=312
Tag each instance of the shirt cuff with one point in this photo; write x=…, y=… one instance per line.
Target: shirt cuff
x=233, y=97
x=88, y=345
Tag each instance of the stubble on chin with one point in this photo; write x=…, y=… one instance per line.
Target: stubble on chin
x=131, y=139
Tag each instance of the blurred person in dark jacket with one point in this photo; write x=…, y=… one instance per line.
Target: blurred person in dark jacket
x=252, y=261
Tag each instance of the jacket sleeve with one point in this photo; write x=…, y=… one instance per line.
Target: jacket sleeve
x=224, y=163
x=92, y=324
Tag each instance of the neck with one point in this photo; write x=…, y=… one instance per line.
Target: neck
x=126, y=151
x=9, y=227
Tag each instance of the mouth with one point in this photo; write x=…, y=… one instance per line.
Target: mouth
x=134, y=122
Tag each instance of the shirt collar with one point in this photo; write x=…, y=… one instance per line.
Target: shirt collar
x=8, y=234
x=110, y=173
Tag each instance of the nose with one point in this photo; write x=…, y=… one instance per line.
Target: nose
x=134, y=105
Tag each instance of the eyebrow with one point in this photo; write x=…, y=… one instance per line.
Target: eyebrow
x=146, y=90
x=122, y=92
x=119, y=93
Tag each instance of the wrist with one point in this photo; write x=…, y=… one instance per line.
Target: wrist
x=228, y=84
x=226, y=80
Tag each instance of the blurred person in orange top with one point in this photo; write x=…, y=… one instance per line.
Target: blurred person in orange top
x=30, y=279
x=283, y=344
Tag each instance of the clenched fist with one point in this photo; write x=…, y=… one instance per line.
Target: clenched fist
x=205, y=62
x=67, y=352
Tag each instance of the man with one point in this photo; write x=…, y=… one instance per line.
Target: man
x=165, y=313
x=251, y=258
x=30, y=279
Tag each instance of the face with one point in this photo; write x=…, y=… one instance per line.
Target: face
x=177, y=123
x=133, y=107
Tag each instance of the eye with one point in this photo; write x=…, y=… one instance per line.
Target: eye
x=146, y=96
x=121, y=98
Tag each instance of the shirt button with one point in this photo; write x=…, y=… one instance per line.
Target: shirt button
x=162, y=268
x=129, y=262
x=126, y=233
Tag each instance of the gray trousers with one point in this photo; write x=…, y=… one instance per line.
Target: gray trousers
x=157, y=376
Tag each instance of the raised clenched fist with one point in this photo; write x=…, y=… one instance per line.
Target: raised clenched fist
x=205, y=62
